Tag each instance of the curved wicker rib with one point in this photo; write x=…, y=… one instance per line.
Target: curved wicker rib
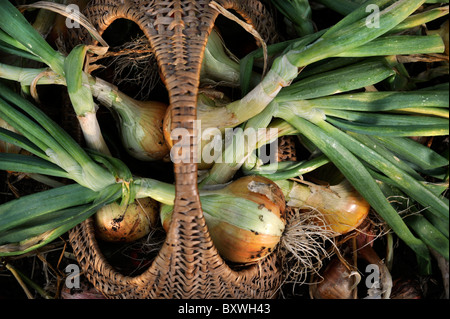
x=188, y=265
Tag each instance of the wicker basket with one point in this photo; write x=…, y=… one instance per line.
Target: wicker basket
x=188, y=265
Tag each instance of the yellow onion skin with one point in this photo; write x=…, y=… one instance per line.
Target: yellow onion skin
x=247, y=187
x=343, y=209
x=242, y=246
x=238, y=244
x=145, y=140
x=126, y=223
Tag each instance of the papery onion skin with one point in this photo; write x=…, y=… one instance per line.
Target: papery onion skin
x=116, y=223
x=342, y=207
x=241, y=246
x=253, y=188
x=343, y=214
x=145, y=140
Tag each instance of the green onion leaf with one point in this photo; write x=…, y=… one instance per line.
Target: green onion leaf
x=30, y=164
x=360, y=178
x=14, y=23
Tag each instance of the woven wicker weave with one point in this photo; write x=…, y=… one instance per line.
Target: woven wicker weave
x=287, y=149
x=188, y=265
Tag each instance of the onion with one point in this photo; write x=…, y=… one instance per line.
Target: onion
x=140, y=122
x=406, y=289
x=338, y=282
x=143, y=138
x=342, y=207
x=245, y=219
x=127, y=223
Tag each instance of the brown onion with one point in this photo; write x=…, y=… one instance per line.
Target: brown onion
x=116, y=223
x=338, y=282
x=342, y=207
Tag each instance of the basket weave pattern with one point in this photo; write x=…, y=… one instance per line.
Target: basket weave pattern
x=188, y=265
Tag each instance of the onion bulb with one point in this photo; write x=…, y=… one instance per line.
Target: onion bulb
x=126, y=223
x=140, y=122
x=342, y=207
x=143, y=138
x=338, y=282
x=245, y=218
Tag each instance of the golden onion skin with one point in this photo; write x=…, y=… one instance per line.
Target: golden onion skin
x=247, y=187
x=242, y=246
x=116, y=223
x=342, y=207
x=146, y=141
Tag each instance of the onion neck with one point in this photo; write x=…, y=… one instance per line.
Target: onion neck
x=159, y=191
x=109, y=96
x=297, y=195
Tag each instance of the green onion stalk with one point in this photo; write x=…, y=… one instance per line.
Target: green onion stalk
x=323, y=88
x=299, y=13
x=357, y=144
x=343, y=6
x=354, y=44
x=219, y=65
x=49, y=142
x=350, y=152
x=26, y=41
x=243, y=143
x=140, y=123
x=432, y=230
